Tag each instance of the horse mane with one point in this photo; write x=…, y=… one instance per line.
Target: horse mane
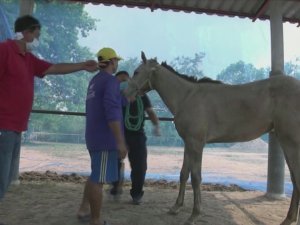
x=190, y=78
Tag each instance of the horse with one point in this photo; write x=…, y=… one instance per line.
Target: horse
x=206, y=111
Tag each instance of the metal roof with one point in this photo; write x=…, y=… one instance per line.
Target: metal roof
x=253, y=9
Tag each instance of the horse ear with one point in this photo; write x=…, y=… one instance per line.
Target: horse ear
x=143, y=57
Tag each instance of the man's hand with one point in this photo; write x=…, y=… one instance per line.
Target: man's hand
x=90, y=65
x=122, y=148
x=156, y=130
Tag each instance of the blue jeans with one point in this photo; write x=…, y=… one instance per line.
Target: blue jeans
x=10, y=144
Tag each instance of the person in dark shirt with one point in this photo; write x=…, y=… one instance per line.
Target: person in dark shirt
x=104, y=134
x=134, y=118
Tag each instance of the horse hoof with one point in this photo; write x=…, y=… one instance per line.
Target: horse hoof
x=188, y=222
x=174, y=210
x=288, y=222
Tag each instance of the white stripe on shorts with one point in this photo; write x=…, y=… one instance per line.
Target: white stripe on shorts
x=104, y=159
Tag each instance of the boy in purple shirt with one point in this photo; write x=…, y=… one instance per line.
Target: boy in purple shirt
x=104, y=134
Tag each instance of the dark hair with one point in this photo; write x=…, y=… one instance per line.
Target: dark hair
x=26, y=22
x=122, y=72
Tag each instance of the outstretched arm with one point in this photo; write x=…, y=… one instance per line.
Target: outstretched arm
x=64, y=68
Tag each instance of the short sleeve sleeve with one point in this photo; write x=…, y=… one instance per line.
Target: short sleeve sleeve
x=40, y=66
x=146, y=102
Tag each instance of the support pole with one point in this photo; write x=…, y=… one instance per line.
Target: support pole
x=26, y=8
x=276, y=162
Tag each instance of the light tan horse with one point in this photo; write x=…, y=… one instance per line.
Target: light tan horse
x=209, y=112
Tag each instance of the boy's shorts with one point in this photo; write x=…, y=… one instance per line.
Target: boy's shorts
x=104, y=166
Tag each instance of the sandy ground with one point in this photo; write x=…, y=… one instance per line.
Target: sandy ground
x=56, y=203
x=243, y=164
x=53, y=199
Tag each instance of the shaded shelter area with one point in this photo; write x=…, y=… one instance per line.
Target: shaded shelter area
x=250, y=9
x=277, y=11
x=253, y=9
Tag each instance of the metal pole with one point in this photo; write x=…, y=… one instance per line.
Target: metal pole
x=276, y=162
x=26, y=8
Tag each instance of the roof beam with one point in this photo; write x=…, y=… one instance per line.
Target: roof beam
x=152, y=7
x=157, y=4
x=261, y=10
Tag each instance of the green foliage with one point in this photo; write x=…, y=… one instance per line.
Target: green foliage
x=240, y=72
x=62, y=24
x=189, y=66
x=293, y=69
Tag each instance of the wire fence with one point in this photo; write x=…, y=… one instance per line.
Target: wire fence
x=29, y=137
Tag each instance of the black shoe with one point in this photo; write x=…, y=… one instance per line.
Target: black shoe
x=116, y=191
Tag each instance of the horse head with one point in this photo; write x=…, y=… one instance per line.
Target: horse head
x=141, y=80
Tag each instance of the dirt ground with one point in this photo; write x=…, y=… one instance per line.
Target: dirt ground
x=51, y=199
x=242, y=164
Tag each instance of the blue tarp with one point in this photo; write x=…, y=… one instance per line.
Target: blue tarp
x=5, y=31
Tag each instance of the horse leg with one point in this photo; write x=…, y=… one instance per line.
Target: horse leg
x=184, y=175
x=292, y=156
x=294, y=205
x=195, y=155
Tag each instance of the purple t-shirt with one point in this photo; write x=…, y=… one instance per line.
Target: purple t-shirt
x=103, y=105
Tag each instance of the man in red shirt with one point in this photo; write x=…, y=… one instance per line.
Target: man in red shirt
x=18, y=67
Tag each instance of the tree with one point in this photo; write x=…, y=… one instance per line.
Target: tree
x=63, y=23
x=189, y=66
x=240, y=72
x=293, y=69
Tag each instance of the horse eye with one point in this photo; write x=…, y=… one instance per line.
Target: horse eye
x=135, y=73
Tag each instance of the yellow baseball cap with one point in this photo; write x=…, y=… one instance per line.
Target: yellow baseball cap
x=107, y=53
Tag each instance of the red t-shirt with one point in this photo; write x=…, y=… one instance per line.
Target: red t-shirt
x=17, y=71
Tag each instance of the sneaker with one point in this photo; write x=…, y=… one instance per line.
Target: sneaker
x=137, y=200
